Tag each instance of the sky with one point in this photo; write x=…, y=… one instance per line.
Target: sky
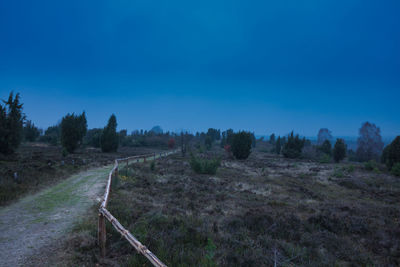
x=264, y=66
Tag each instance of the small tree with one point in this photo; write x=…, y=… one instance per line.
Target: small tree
x=109, y=139
x=370, y=143
x=52, y=135
x=326, y=147
x=272, y=139
x=11, y=124
x=393, y=154
x=293, y=146
x=73, y=129
x=31, y=132
x=208, y=142
x=241, y=145
x=278, y=146
x=339, y=150
x=93, y=137
x=171, y=143
x=323, y=135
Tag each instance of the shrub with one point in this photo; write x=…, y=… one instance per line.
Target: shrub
x=293, y=146
x=171, y=143
x=109, y=138
x=370, y=165
x=339, y=151
x=396, y=169
x=241, y=145
x=204, y=166
x=152, y=165
x=393, y=153
x=325, y=158
x=11, y=124
x=73, y=129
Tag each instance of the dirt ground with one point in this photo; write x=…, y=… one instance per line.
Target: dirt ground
x=263, y=211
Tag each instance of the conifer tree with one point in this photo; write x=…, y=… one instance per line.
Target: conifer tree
x=339, y=150
x=109, y=138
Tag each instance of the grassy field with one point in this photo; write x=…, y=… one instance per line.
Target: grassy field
x=259, y=212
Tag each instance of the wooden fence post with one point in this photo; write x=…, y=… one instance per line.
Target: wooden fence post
x=102, y=235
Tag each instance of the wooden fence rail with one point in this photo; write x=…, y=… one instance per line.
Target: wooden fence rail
x=105, y=214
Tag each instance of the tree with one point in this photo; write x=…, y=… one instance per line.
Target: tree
x=31, y=132
x=339, y=150
x=157, y=130
x=109, y=139
x=241, y=145
x=253, y=140
x=393, y=153
x=326, y=147
x=73, y=129
x=171, y=143
x=293, y=146
x=208, y=142
x=272, y=139
x=52, y=135
x=324, y=134
x=11, y=124
x=370, y=143
x=93, y=137
x=278, y=146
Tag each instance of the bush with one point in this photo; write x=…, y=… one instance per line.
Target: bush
x=152, y=165
x=370, y=165
x=396, y=169
x=293, y=146
x=109, y=138
x=73, y=129
x=171, y=143
x=393, y=153
x=208, y=142
x=339, y=151
x=325, y=158
x=204, y=166
x=241, y=145
x=11, y=124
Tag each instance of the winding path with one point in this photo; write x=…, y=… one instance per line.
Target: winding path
x=38, y=220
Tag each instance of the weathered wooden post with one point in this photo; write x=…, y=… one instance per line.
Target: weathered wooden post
x=102, y=234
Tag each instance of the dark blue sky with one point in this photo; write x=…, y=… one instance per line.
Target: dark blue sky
x=265, y=66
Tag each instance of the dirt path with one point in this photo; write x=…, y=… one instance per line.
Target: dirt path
x=39, y=220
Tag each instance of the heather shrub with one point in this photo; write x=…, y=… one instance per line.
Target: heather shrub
x=241, y=145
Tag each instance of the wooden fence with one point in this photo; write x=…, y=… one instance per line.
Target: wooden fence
x=105, y=214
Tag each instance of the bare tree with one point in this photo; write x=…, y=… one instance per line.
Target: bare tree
x=369, y=142
x=323, y=135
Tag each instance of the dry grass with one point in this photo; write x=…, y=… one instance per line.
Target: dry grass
x=257, y=212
